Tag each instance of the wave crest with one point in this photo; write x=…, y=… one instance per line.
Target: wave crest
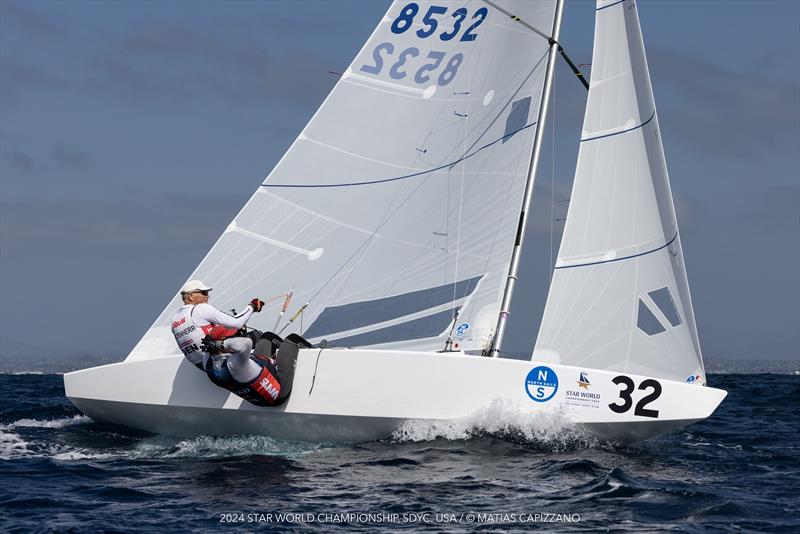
x=12, y=446
x=47, y=423
x=550, y=430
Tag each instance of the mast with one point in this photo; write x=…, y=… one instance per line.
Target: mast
x=505, y=306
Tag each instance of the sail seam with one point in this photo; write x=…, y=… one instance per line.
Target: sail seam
x=412, y=175
x=609, y=5
x=622, y=131
x=620, y=259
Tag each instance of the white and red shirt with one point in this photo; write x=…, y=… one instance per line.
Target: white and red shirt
x=193, y=322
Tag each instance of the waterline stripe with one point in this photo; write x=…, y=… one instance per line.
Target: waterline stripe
x=620, y=259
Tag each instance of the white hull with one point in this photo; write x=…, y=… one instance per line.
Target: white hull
x=352, y=395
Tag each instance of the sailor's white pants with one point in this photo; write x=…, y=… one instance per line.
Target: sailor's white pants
x=241, y=367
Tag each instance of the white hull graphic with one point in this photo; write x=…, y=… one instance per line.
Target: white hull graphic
x=349, y=395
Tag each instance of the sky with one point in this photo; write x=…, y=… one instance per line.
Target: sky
x=132, y=132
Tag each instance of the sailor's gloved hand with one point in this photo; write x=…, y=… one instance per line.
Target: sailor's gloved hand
x=257, y=305
x=212, y=346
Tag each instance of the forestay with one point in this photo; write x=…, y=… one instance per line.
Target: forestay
x=619, y=298
x=397, y=204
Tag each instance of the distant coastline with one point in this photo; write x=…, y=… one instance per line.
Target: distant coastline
x=737, y=367
x=53, y=364
x=65, y=364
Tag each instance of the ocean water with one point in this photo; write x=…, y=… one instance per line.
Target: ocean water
x=737, y=471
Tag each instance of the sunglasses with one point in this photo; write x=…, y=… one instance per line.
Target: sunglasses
x=202, y=292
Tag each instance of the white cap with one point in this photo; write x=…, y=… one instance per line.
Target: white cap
x=194, y=285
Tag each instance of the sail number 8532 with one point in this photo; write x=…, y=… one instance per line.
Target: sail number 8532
x=627, y=400
x=430, y=22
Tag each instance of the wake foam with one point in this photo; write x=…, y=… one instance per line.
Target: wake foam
x=12, y=446
x=81, y=454
x=551, y=430
x=222, y=447
x=48, y=423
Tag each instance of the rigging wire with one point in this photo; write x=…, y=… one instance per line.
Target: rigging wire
x=447, y=226
x=460, y=212
x=298, y=313
x=516, y=18
x=458, y=235
x=552, y=181
x=575, y=69
x=283, y=308
x=449, y=342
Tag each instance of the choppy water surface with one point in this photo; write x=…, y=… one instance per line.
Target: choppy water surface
x=739, y=470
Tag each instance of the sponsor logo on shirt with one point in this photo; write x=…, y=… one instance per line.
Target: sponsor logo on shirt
x=188, y=330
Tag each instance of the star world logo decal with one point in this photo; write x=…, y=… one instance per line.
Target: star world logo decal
x=581, y=396
x=583, y=380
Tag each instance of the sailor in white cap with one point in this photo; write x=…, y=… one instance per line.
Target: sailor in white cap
x=200, y=329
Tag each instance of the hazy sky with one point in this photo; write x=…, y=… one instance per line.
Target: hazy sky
x=132, y=132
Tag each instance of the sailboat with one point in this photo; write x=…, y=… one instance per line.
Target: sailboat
x=395, y=223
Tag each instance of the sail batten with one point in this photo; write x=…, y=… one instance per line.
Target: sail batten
x=616, y=131
x=563, y=263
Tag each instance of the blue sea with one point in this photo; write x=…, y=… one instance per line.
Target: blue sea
x=737, y=471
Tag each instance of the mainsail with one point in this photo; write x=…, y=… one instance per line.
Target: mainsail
x=619, y=298
x=395, y=209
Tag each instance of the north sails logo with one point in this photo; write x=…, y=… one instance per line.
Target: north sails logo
x=541, y=383
x=461, y=330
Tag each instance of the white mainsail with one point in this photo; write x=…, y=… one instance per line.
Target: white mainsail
x=398, y=202
x=619, y=299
